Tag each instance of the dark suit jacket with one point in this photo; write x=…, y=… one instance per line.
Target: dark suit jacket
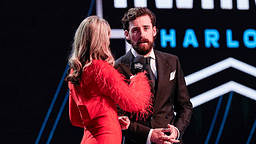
x=171, y=96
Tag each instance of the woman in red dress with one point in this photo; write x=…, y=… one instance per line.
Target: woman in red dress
x=96, y=87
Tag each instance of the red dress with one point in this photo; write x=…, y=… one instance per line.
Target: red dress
x=92, y=103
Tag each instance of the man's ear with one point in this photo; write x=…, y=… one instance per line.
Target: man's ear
x=126, y=33
x=154, y=31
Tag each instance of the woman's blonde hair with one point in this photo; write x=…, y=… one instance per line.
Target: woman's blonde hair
x=91, y=42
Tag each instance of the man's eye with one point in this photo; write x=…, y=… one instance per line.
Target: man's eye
x=135, y=31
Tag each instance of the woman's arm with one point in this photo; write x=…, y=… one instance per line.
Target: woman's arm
x=135, y=97
x=74, y=114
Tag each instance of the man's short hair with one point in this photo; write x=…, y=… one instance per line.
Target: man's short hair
x=133, y=13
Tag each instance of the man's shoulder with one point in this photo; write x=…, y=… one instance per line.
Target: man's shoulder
x=165, y=55
x=125, y=59
x=120, y=60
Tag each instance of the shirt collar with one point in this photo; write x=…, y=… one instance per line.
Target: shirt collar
x=152, y=54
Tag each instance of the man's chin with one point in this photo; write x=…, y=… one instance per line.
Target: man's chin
x=145, y=43
x=142, y=45
x=143, y=50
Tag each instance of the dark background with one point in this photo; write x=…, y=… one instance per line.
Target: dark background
x=35, y=41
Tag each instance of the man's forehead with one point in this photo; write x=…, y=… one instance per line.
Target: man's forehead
x=143, y=25
x=142, y=21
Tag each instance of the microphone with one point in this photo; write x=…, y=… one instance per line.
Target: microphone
x=138, y=65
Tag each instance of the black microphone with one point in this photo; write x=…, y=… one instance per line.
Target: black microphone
x=138, y=65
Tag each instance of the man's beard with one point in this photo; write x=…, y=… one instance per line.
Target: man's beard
x=143, y=49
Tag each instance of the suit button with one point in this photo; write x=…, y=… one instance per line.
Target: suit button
x=167, y=116
x=152, y=119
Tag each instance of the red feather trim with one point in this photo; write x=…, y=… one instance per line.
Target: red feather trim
x=135, y=97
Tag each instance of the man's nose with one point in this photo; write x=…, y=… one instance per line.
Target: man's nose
x=142, y=33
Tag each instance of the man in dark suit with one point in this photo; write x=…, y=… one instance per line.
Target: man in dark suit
x=172, y=107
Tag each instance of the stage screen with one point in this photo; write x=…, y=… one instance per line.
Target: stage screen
x=215, y=41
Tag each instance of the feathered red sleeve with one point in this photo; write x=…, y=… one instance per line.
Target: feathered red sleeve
x=135, y=97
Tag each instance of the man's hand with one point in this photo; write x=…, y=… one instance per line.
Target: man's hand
x=173, y=134
x=159, y=137
x=124, y=122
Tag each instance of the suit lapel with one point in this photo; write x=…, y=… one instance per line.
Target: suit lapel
x=163, y=74
x=125, y=63
x=128, y=58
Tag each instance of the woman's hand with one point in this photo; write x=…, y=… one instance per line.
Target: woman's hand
x=124, y=122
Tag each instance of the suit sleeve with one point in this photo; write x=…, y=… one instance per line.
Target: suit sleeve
x=137, y=132
x=182, y=104
x=135, y=97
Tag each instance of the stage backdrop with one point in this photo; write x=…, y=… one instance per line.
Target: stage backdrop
x=215, y=41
